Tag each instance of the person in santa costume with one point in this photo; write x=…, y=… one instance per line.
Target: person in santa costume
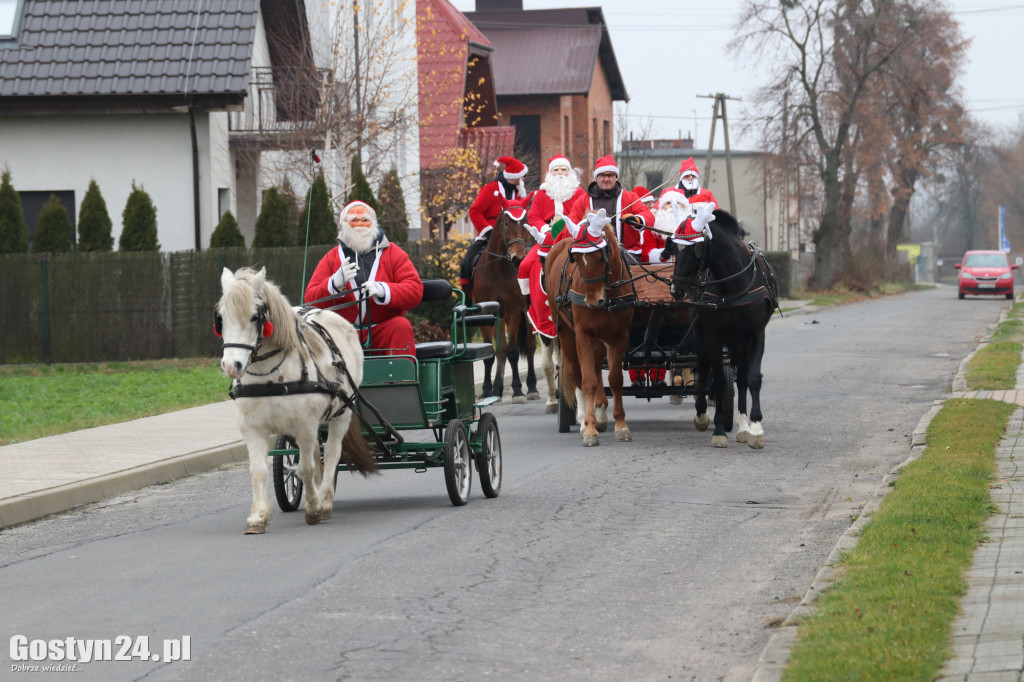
x=651, y=203
x=621, y=204
x=551, y=202
x=689, y=183
x=494, y=197
x=367, y=269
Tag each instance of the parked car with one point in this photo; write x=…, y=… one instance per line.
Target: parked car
x=985, y=272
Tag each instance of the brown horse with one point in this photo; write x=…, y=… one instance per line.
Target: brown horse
x=580, y=286
x=496, y=278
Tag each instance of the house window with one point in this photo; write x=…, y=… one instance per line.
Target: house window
x=606, y=137
x=10, y=10
x=654, y=179
x=566, y=140
x=32, y=204
x=223, y=201
x=527, y=146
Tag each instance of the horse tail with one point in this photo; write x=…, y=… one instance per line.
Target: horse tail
x=355, y=451
x=568, y=390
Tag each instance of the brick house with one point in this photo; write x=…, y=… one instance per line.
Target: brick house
x=565, y=110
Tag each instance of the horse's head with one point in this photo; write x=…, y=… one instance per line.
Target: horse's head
x=713, y=258
x=597, y=261
x=245, y=318
x=510, y=237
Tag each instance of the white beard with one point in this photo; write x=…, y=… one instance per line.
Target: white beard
x=691, y=184
x=665, y=218
x=359, y=239
x=560, y=187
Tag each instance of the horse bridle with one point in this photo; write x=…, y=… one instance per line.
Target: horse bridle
x=260, y=319
x=508, y=243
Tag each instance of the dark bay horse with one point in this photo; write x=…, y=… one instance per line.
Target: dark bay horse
x=738, y=281
x=579, y=287
x=496, y=278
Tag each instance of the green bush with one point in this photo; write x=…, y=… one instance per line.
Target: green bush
x=393, y=218
x=13, y=230
x=782, y=263
x=317, y=215
x=95, y=229
x=53, y=232
x=138, y=231
x=361, y=190
x=227, y=234
x=272, y=224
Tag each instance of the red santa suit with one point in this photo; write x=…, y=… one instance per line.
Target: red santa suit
x=384, y=263
x=495, y=197
x=631, y=239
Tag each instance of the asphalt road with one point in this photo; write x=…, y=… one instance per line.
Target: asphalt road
x=658, y=559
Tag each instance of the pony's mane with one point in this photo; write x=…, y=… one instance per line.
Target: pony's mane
x=727, y=222
x=239, y=299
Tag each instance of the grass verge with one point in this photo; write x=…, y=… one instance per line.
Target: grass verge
x=890, y=613
x=994, y=366
x=45, y=400
x=842, y=294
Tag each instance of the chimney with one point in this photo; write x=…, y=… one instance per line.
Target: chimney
x=499, y=5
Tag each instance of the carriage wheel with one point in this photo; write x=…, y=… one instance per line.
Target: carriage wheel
x=457, y=466
x=729, y=399
x=566, y=415
x=488, y=460
x=287, y=484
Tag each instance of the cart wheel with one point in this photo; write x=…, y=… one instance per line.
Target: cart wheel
x=488, y=460
x=287, y=484
x=730, y=396
x=566, y=415
x=457, y=464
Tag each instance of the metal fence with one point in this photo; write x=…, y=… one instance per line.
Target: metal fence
x=93, y=307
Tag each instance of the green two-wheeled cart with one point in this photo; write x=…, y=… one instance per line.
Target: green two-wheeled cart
x=432, y=392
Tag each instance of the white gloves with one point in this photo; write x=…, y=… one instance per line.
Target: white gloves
x=534, y=232
x=375, y=289
x=598, y=221
x=346, y=272
x=654, y=255
x=705, y=214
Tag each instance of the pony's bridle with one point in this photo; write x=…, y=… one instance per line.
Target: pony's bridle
x=264, y=327
x=508, y=243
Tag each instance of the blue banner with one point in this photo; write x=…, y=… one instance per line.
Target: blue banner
x=1004, y=243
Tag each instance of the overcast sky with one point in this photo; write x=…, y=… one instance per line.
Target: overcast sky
x=672, y=51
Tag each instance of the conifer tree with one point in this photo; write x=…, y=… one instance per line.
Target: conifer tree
x=323, y=229
x=94, y=224
x=138, y=223
x=13, y=230
x=361, y=189
x=53, y=232
x=227, y=234
x=272, y=224
x=393, y=218
x=296, y=234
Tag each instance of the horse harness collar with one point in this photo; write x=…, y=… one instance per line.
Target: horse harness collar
x=748, y=295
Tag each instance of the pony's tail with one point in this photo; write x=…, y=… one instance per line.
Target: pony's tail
x=568, y=390
x=355, y=451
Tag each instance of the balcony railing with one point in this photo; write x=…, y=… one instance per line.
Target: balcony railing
x=283, y=100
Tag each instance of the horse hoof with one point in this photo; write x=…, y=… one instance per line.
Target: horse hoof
x=741, y=437
x=701, y=421
x=601, y=427
x=533, y=395
x=756, y=442
x=623, y=435
x=719, y=441
x=675, y=400
x=312, y=519
x=551, y=409
x=519, y=400
x=253, y=529
x=590, y=440
x=325, y=515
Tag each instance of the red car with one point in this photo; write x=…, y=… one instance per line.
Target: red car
x=985, y=272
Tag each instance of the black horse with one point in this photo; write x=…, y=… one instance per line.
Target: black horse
x=735, y=293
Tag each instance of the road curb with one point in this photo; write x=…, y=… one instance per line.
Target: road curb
x=33, y=506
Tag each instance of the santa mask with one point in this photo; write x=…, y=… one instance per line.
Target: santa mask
x=358, y=227
x=690, y=182
x=560, y=183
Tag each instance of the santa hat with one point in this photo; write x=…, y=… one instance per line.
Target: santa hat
x=606, y=164
x=514, y=168
x=559, y=161
x=694, y=230
x=644, y=194
x=590, y=237
x=343, y=216
x=687, y=167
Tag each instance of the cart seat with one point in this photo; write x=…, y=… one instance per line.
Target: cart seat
x=477, y=351
x=434, y=349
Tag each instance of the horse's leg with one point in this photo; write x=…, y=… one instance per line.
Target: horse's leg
x=600, y=399
x=742, y=361
x=615, y=355
x=309, y=460
x=718, y=438
x=756, y=431
x=530, y=348
x=570, y=375
x=332, y=455
x=591, y=384
x=498, y=387
x=259, y=514
x=487, y=333
x=700, y=394
x=548, y=364
x=512, y=353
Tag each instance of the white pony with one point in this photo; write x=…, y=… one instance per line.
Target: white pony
x=287, y=379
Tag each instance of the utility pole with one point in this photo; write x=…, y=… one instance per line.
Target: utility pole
x=719, y=112
x=359, y=99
